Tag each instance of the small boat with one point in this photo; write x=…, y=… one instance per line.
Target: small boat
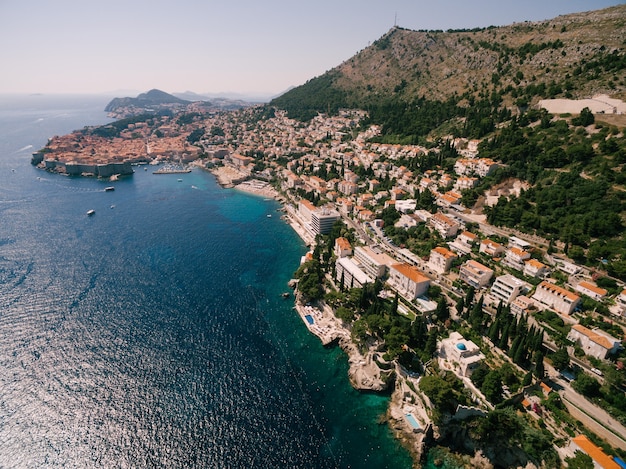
x=91, y=212
x=269, y=215
x=109, y=189
x=285, y=294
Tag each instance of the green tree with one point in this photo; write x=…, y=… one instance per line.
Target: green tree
x=586, y=385
x=442, y=312
x=580, y=461
x=492, y=387
x=540, y=370
x=560, y=359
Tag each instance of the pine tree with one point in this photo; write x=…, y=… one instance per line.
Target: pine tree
x=540, y=370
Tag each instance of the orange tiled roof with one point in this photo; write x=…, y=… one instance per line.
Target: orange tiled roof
x=591, y=287
x=444, y=252
x=555, y=289
x=595, y=453
x=593, y=336
x=410, y=272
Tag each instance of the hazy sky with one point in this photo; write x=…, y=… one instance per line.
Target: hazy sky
x=247, y=46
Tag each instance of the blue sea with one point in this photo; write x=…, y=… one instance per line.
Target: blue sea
x=153, y=333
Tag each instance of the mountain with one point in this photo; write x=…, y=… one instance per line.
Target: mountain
x=575, y=55
x=145, y=101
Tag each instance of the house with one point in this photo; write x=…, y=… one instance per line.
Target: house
x=536, y=269
x=463, y=243
x=507, y=287
x=342, y=247
x=522, y=305
x=595, y=343
x=556, y=298
x=485, y=166
x=490, y=248
x=599, y=457
x=515, y=258
x=406, y=206
x=591, y=290
x=475, y=274
x=515, y=242
x=441, y=259
x=347, y=187
x=461, y=355
x=444, y=225
x=464, y=183
x=408, y=280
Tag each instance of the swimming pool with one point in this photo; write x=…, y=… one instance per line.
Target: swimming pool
x=309, y=319
x=412, y=421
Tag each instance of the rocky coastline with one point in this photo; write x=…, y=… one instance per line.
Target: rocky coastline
x=368, y=371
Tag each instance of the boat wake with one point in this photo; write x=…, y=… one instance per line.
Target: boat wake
x=27, y=147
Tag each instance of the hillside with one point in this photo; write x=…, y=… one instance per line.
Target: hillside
x=575, y=55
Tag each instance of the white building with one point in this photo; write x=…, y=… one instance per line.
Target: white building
x=444, y=225
x=522, y=305
x=441, y=259
x=515, y=258
x=515, y=242
x=405, y=206
x=595, y=343
x=408, y=281
x=556, y=298
x=591, y=290
x=507, y=288
x=475, y=274
x=342, y=247
x=350, y=272
x=462, y=356
x=322, y=220
x=373, y=262
x=463, y=243
x=536, y=269
x=491, y=248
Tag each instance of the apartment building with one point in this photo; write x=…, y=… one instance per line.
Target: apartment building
x=508, y=287
x=350, y=273
x=444, y=225
x=475, y=274
x=372, y=261
x=536, y=269
x=441, y=259
x=556, y=298
x=408, y=280
x=515, y=258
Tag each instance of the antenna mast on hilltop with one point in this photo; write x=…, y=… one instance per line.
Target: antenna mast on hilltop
x=395, y=20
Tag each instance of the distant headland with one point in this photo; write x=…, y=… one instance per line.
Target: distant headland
x=155, y=127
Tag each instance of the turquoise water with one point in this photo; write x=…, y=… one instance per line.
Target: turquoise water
x=154, y=334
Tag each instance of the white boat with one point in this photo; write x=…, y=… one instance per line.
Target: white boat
x=109, y=189
x=90, y=212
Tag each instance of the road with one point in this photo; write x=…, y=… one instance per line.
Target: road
x=593, y=417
